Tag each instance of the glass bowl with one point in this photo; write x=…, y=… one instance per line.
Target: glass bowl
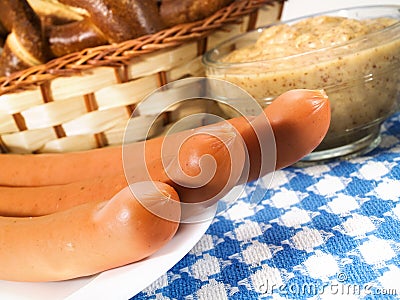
x=361, y=75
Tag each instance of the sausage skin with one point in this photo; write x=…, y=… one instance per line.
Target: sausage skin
x=88, y=238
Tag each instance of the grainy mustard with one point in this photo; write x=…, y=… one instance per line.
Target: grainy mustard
x=360, y=75
x=307, y=35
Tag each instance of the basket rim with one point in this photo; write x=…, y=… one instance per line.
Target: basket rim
x=119, y=54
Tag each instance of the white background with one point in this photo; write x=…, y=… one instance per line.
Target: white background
x=297, y=8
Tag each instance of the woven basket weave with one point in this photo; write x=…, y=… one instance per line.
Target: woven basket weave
x=83, y=100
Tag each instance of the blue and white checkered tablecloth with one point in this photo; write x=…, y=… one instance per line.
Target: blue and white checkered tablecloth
x=320, y=232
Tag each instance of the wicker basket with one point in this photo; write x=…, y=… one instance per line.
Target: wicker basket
x=83, y=100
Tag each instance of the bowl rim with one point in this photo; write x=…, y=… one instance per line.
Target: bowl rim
x=217, y=64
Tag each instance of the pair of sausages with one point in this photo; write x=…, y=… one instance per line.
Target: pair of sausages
x=76, y=231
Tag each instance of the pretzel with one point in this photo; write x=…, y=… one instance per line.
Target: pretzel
x=24, y=45
x=108, y=21
x=175, y=12
x=42, y=29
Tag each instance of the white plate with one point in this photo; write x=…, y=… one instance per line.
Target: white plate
x=120, y=283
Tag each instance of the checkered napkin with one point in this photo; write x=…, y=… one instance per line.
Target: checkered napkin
x=328, y=231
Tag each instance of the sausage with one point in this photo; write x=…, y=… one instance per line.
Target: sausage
x=299, y=120
x=59, y=168
x=295, y=131
x=293, y=140
x=44, y=200
x=88, y=238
